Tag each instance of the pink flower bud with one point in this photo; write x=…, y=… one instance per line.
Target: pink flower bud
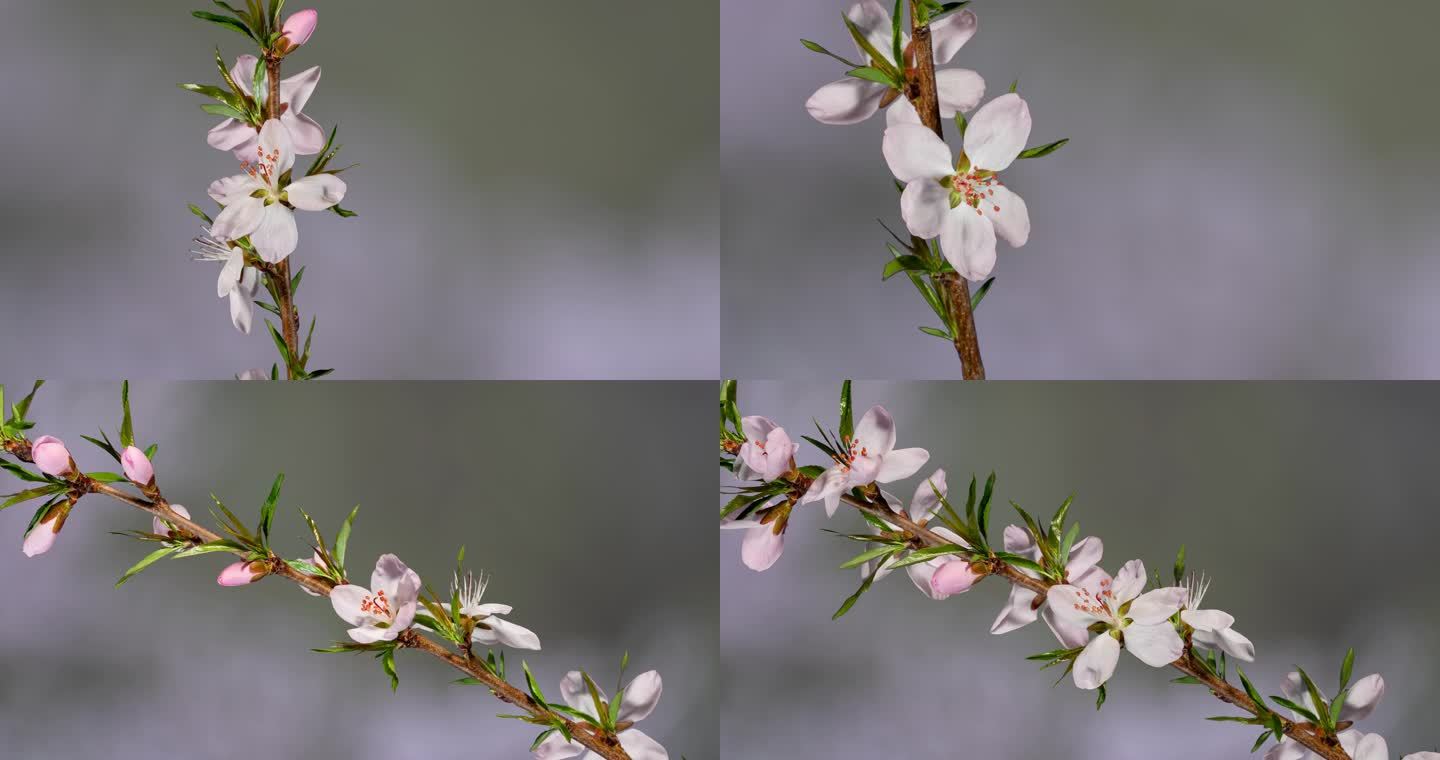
x=955, y=577
x=299, y=27
x=137, y=466
x=42, y=537
x=51, y=456
x=241, y=573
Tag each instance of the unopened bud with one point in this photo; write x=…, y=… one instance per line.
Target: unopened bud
x=51, y=456
x=137, y=466
x=297, y=29
x=41, y=538
x=955, y=577
x=242, y=573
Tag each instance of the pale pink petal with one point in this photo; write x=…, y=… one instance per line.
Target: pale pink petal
x=1069, y=632
x=1156, y=606
x=901, y=112
x=1129, y=582
x=1207, y=620
x=1155, y=645
x=243, y=72
x=1008, y=212
x=575, y=693
x=556, y=748
x=642, y=694
x=901, y=464
x=40, y=539
x=913, y=152
x=1085, y=554
x=231, y=135
x=275, y=140
x=275, y=236
x=307, y=135
x=316, y=193
x=1069, y=606
x=639, y=746
x=238, y=219
x=506, y=633
x=228, y=190
x=924, y=205
x=295, y=91
x=1018, y=612
x=875, y=25
x=997, y=132
x=1234, y=644
x=847, y=101
x=1097, y=663
x=968, y=241
x=1364, y=695
x=757, y=428
x=959, y=89
x=346, y=599
x=1372, y=747
x=954, y=577
x=875, y=432
x=761, y=548
x=927, y=496
x=949, y=34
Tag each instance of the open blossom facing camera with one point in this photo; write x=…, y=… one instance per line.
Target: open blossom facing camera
x=1140, y=621
x=964, y=203
x=851, y=100
x=639, y=699
x=241, y=138
x=259, y=202
x=1081, y=569
x=767, y=451
x=383, y=611
x=871, y=458
x=1362, y=699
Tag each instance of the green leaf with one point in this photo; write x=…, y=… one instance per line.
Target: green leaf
x=903, y=263
x=1043, y=150
x=149, y=560
x=23, y=407
x=290, y=361
x=530, y=683
x=227, y=22
x=275, y=7
x=818, y=48
x=225, y=96
x=863, y=557
x=33, y=493
x=980, y=294
x=22, y=473
x=1250, y=690
x=855, y=597
x=1100, y=697
x=872, y=74
x=127, y=428
x=258, y=85
x=897, y=17
x=342, y=539
x=267, y=511
x=926, y=554
x=196, y=210
x=876, y=58
x=222, y=545
x=387, y=661
x=847, y=412
x=1180, y=565
x=937, y=333
x=224, y=112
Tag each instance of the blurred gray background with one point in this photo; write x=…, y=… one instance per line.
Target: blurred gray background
x=524, y=475
x=1247, y=195
x=536, y=191
x=1311, y=505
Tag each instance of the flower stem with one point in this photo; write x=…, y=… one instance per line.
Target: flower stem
x=279, y=273
x=1304, y=733
x=154, y=503
x=926, y=99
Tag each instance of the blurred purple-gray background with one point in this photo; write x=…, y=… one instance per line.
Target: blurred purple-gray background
x=1312, y=506
x=536, y=191
x=1247, y=195
x=173, y=666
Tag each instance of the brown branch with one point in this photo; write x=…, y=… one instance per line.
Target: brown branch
x=279, y=273
x=607, y=746
x=1304, y=733
x=955, y=291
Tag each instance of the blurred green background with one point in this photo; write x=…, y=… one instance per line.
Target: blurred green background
x=1312, y=507
x=536, y=183
x=566, y=493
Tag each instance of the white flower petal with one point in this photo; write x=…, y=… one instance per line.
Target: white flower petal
x=1207, y=620
x=230, y=273
x=1008, y=212
x=913, y=152
x=1129, y=582
x=242, y=217
x=241, y=310
x=346, y=599
x=762, y=548
x=276, y=236
x=876, y=26
x=228, y=190
x=1155, y=645
x=1364, y=695
x=757, y=428
x=642, y=694
x=901, y=112
x=949, y=34
x=1156, y=606
x=968, y=241
x=959, y=89
x=924, y=206
x=847, y=101
x=576, y=694
x=1068, y=631
x=295, y=90
x=1018, y=612
x=1372, y=747
x=1097, y=663
x=230, y=135
x=875, y=432
x=485, y=610
x=275, y=140
x=556, y=748
x=927, y=496
x=306, y=133
x=639, y=746
x=1069, y=607
x=997, y=132
x=316, y=193
x=1085, y=554
x=1232, y=643
x=901, y=464
x=828, y=486
x=243, y=72
x=506, y=633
